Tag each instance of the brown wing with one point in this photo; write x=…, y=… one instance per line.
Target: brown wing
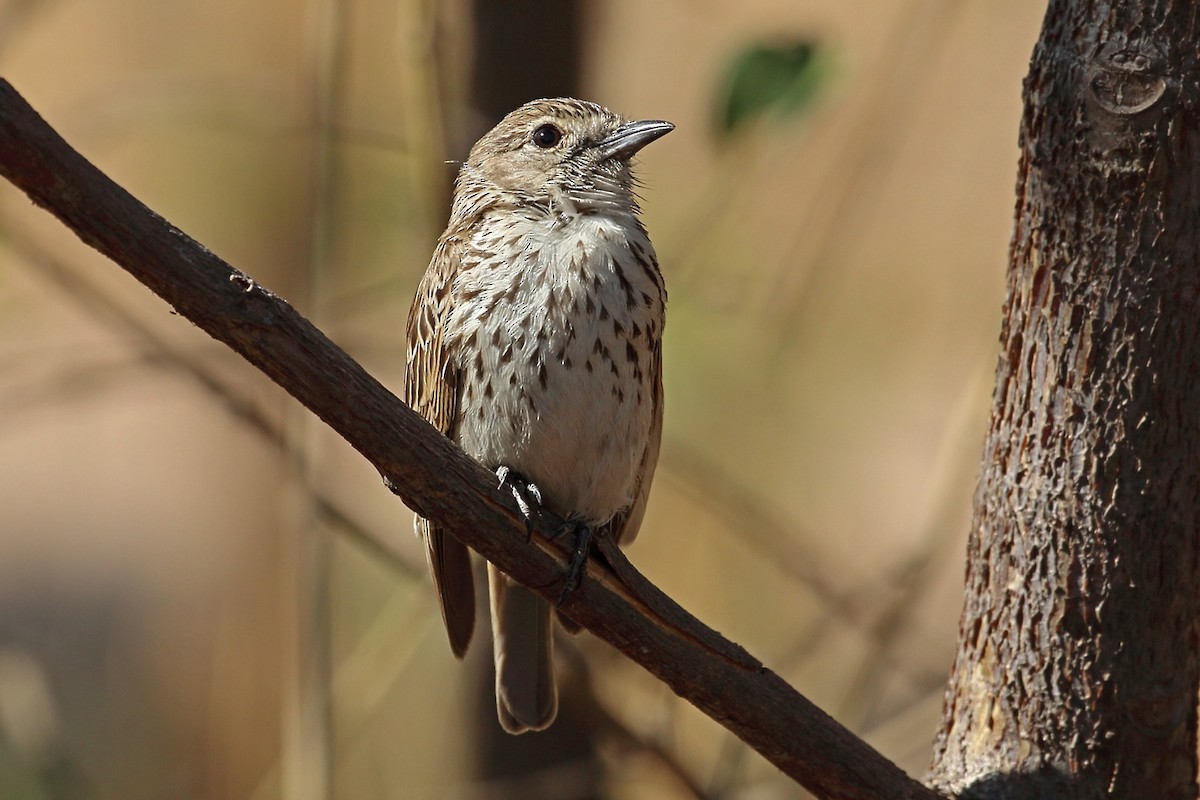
x=431, y=389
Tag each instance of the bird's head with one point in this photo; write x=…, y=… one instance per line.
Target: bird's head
x=561, y=152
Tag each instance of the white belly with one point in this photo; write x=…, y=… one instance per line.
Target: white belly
x=561, y=391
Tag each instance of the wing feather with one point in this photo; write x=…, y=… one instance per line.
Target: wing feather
x=431, y=389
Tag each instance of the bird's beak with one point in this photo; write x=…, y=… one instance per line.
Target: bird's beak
x=631, y=137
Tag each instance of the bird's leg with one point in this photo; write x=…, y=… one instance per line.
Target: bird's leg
x=527, y=495
x=577, y=567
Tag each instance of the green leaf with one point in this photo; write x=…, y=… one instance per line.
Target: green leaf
x=778, y=79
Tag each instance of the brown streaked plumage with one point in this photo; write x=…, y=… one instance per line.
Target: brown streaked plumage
x=534, y=342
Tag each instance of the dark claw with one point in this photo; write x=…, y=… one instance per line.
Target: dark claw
x=527, y=495
x=529, y=501
x=577, y=567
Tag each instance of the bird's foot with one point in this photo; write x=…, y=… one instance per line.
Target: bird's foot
x=529, y=500
x=577, y=567
x=527, y=495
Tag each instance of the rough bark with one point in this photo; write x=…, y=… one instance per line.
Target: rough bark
x=1077, y=668
x=436, y=479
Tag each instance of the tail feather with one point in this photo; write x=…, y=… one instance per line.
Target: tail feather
x=526, y=695
x=450, y=564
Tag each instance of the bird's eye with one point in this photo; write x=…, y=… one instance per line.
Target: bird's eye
x=546, y=136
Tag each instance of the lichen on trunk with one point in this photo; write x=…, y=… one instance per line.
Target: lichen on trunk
x=1078, y=666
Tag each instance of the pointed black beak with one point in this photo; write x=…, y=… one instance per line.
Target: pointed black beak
x=631, y=137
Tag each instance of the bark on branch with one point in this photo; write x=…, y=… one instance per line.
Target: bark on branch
x=434, y=477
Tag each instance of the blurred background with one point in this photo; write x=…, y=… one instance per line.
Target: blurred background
x=187, y=605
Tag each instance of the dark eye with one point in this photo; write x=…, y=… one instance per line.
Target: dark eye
x=547, y=136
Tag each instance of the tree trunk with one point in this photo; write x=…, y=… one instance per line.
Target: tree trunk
x=1077, y=668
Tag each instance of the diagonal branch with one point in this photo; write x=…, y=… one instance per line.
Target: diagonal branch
x=437, y=479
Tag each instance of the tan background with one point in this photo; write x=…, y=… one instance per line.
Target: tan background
x=835, y=282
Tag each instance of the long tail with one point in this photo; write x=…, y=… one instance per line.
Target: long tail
x=526, y=694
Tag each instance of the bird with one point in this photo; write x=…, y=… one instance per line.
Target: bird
x=534, y=342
